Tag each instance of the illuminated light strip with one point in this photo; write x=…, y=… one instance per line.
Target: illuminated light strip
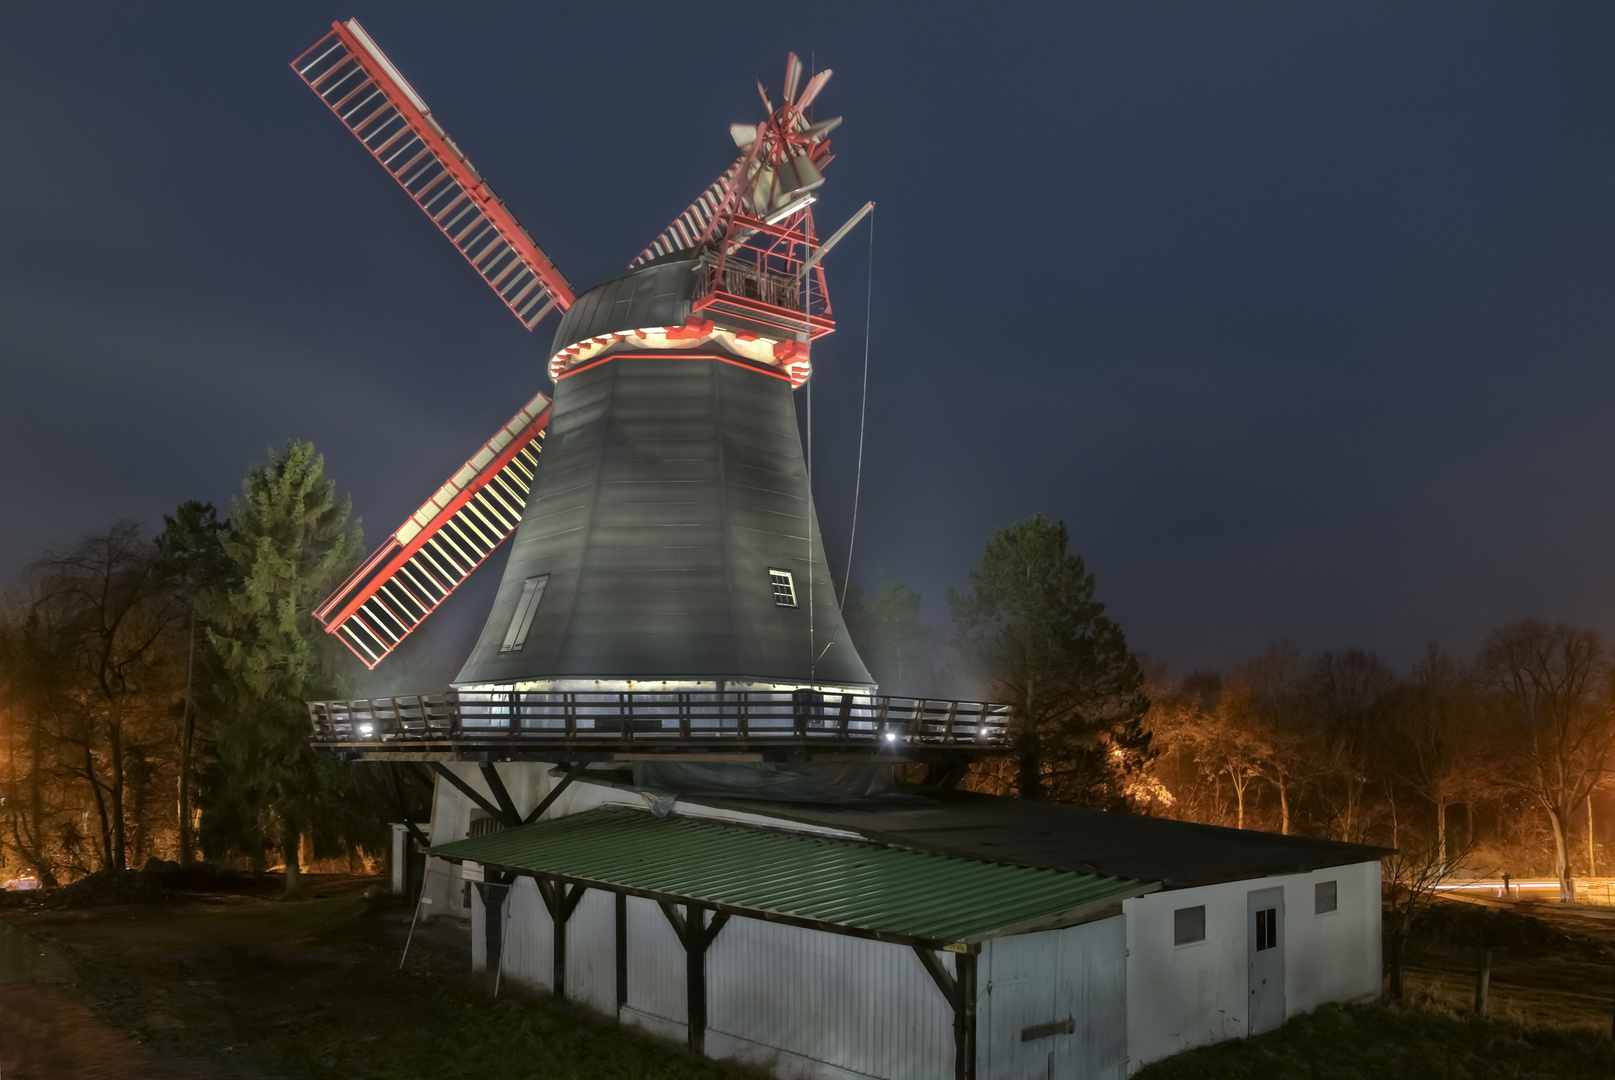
x=373, y=101
x=439, y=546
x=658, y=355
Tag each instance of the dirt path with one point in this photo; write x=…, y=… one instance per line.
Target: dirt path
x=47, y=1035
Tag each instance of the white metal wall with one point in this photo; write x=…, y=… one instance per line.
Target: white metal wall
x=1180, y=996
x=656, y=971
x=1078, y=974
x=809, y=1003
x=591, y=951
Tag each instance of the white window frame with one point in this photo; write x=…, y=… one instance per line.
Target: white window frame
x=777, y=578
x=521, y=618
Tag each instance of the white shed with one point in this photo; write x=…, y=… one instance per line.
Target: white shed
x=915, y=937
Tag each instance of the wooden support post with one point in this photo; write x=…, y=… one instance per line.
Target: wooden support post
x=495, y=892
x=622, y=951
x=507, y=806
x=555, y=793
x=695, y=981
x=696, y=935
x=1483, y=981
x=964, y=1019
x=473, y=794
x=560, y=902
x=960, y=994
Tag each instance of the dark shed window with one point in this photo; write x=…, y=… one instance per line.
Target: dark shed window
x=1323, y=897
x=1189, y=925
x=521, y=620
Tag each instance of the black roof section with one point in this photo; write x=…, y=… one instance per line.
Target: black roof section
x=1178, y=854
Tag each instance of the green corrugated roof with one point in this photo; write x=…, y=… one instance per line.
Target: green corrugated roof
x=861, y=886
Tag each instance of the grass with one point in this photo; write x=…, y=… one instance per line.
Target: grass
x=311, y=989
x=1424, y=1036
x=1382, y=1042
x=251, y=988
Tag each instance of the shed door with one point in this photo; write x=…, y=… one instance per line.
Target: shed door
x=1020, y=989
x=1264, y=925
x=1056, y=1005
x=1093, y=991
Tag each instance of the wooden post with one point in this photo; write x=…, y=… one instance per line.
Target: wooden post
x=695, y=978
x=696, y=935
x=558, y=949
x=622, y=951
x=1483, y=981
x=964, y=1017
x=959, y=991
x=561, y=902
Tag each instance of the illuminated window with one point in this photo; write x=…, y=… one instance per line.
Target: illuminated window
x=521, y=620
x=1189, y=925
x=1323, y=898
x=784, y=587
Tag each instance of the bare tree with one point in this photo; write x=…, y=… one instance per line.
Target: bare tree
x=1550, y=689
x=1273, y=690
x=1352, y=695
x=1438, y=738
x=1225, y=743
x=117, y=618
x=1410, y=878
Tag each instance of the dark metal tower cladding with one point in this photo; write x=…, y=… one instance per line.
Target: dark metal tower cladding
x=669, y=541
x=664, y=529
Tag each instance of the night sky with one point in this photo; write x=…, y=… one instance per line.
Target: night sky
x=1300, y=316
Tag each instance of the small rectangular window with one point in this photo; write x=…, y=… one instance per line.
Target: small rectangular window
x=521, y=620
x=1189, y=925
x=1267, y=929
x=784, y=587
x=1323, y=897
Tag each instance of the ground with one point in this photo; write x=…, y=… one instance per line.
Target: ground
x=206, y=987
x=248, y=987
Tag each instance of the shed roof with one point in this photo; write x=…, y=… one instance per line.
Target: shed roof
x=852, y=886
x=1178, y=854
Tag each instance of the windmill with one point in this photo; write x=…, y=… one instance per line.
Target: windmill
x=668, y=538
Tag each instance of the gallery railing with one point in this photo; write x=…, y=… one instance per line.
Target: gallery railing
x=658, y=719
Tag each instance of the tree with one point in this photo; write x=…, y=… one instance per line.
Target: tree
x=1271, y=687
x=192, y=560
x=292, y=543
x=1436, y=738
x=1033, y=628
x=34, y=668
x=107, y=600
x=1351, y=695
x=1549, y=689
x=1226, y=743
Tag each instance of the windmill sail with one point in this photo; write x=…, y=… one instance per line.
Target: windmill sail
x=436, y=549
x=370, y=97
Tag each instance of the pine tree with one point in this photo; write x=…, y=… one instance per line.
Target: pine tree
x=1034, y=630
x=292, y=542
x=192, y=561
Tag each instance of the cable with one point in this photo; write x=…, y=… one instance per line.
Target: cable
x=863, y=409
x=813, y=660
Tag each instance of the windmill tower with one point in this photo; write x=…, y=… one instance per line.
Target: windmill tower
x=666, y=539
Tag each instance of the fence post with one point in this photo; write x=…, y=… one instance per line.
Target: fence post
x=1483, y=981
